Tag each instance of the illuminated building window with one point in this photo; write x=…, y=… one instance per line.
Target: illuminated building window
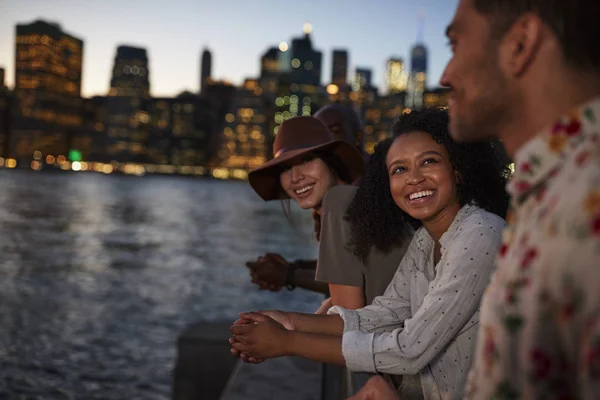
x=259, y=119
x=256, y=135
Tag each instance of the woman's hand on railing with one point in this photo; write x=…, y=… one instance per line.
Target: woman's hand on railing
x=269, y=272
x=243, y=356
x=261, y=336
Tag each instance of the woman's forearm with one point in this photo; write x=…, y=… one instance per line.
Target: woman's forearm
x=305, y=279
x=320, y=348
x=332, y=325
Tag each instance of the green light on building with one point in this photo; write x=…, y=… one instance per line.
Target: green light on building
x=74, y=155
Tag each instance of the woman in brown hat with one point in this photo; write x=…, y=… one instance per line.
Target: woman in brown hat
x=307, y=163
x=273, y=272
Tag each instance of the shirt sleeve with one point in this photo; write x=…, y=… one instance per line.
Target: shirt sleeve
x=452, y=300
x=336, y=263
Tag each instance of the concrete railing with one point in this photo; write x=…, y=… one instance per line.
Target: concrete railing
x=206, y=370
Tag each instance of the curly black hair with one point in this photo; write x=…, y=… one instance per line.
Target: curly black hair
x=376, y=220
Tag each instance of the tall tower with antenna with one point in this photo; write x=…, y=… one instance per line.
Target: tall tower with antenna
x=417, y=81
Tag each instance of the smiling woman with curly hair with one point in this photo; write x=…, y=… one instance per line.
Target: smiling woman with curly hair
x=376, y=221
x=426, y=321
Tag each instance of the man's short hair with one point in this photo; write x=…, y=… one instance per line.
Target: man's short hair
x=574, y=22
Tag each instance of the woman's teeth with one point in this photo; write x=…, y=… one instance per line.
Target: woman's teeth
x=419, y=195
x=304, y=189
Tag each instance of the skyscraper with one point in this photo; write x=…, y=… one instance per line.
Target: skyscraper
x=299, y=81
x=269, y=70
x=417, y=81
x=126, y=117
x=244, y=141
x=205, y=69
x=130, y=73
x=362, y=79
x=305, y=61
x=47, y=91
x=418, y=56
x=396, y=76
x=5, y=108
x=179, y=131
x=339, y=69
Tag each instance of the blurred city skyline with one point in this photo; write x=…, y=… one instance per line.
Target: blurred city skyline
x=175, y=35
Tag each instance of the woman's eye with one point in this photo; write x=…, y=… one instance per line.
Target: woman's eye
x=398, y=170
x=429, y=161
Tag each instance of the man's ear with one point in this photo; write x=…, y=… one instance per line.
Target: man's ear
x=522, y=43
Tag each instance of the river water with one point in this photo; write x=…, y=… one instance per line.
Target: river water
x=99, y=274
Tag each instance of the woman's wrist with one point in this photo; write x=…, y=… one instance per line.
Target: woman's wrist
x=293, y=318
x=289, y=343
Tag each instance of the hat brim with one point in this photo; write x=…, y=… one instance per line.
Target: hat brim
x=265, y=179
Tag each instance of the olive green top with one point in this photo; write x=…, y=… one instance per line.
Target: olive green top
x=337, y=264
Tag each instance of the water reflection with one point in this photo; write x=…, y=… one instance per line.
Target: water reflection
x=99, y=274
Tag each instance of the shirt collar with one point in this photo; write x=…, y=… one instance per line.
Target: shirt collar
x=425, y=241
x=449, y=235
x=541, y=157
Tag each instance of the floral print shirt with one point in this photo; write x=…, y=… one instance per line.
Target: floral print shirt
x=539, y=334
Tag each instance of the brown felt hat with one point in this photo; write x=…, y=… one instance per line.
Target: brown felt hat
x=295, y=137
